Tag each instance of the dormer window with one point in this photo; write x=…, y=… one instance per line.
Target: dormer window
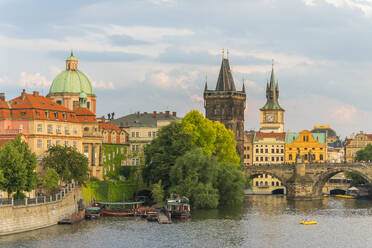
x=56, y=115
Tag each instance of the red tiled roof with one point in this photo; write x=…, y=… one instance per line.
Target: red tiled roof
x=280, y=136
x=369, y=136
x=109, y=127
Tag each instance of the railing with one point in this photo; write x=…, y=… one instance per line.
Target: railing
x=38, y=200
x=10, y=131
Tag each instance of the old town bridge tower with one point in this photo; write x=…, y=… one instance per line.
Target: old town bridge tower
x=226, y=105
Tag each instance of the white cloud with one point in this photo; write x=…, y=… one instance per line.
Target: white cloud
x=103, y=85
x=33, y=81
x=345, y=113
x=364, y=5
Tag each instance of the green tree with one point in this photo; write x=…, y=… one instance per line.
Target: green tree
x=194, y=176
x=160, y=156
x=68, y=163
x=230, y=184
x=158, y=193
x=18, y=164
x=213, y=137
x=364, y=154
x=51, y=180
x=356, y=179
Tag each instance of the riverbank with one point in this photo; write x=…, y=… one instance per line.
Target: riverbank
x=263, y=221
x=42, y=213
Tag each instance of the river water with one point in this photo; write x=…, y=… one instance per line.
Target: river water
x=263, y=221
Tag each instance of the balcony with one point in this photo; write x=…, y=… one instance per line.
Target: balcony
x=10, y=131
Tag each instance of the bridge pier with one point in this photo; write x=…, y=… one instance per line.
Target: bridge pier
x=300, y=185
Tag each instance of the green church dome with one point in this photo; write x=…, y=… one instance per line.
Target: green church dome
x=71, y=81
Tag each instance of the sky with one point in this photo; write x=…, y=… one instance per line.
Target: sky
x=147, y=55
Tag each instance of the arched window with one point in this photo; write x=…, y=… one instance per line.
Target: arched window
x=272, y=183
x=305, y=156
x=261, y=183
x=266, y=184
x=277, y=183
x=290, y=156
x=257, y=183
x=321, y=157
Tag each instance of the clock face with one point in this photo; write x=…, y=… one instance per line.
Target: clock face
x=270, y=118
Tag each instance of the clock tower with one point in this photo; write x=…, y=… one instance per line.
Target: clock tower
x=272, y=115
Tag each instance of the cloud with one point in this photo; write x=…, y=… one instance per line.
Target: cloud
x=344, y=114
x=103, y=85
x=33, y=81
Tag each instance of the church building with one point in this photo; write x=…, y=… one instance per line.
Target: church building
x=226, y=104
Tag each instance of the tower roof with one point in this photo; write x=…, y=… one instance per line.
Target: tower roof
x=272, y=94
x=71, y=81
x=225, y=80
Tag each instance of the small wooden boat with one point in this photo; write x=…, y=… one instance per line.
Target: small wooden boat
x=178, y=207
x=308, y=222
x=92, y=213
x=119, y=208
x=117, y=212
x=346, y=196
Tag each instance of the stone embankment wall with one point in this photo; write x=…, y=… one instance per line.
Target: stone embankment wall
x=15, y=219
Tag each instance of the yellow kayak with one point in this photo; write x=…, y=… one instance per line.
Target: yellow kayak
x=346, y=196
x=309, y=222
x=325, y=195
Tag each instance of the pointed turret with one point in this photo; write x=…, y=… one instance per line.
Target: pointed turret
x=225, y=80
x=272, y=93
x=206, y=86
x=243, y=88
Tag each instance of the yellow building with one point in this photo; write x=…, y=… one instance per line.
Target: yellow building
x=311, y=146
x=142, y=128
x=266, y=184
x=248, y=148
x=356, y=143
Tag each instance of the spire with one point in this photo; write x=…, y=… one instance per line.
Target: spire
x=225, y=80
x=206, y=80
x=272, y=93
x=243, y=87
x=72, y=53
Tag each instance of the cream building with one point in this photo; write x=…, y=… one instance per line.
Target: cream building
x=356, y=143
x=142, y=128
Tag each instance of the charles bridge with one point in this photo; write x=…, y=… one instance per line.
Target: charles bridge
x=305, y=181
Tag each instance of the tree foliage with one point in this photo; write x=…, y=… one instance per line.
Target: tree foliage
x=364, y=154
x=206, y=182
x=356, y=179
x=68, y=163
x=171, y=142
x=17, y=164
x=50, y=180
x=158, y=193
x=213, y=137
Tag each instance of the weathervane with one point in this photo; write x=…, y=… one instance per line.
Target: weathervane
x=228, y=53
x=223, y=52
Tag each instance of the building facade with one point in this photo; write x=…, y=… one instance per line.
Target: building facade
x=354, y=144
x=114, y=149
x=269, y=148
x=141, y=129
x=226, y=105
x=248, y=148
x=311, y=146
x=43, y=123
x=272, y=115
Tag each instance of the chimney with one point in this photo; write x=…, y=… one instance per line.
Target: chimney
x=138, y=114
x=2, y=97
x=174, y=114
x=154, y=114
x=23, y=94
x=35, y=93
x=167, y=114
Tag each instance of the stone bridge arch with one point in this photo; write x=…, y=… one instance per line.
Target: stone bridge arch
x=323, y=178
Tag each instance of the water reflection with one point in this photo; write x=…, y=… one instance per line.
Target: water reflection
x=262, y=221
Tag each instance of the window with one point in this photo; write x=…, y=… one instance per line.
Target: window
x=105, y=138
x=67, y=130
x=39, y=143
x=290, y=157
x=261, y=158
x=272, y=183
x=257, y=150
x=86, y=151
x=282, y=151
x=153, y=134
x=75, y=130
x=282, y=159
x=277, y=150
x=137, y=161
x=257, y=159
x=266, y=151
x=40, y=127
x=58, y=143
x=47, y=114
x=266, y=183
x=137, y=134
x=305, y=157
x=321, y=157
x=277, y=183
x=149, y=134
x=272, y=150
x=66, y=143
x=56, y=115
x=257, y=183
x=122, y=138
x=248, y=148
x=50, y=128
x=49, y=143
x=261, y=150
x=133, y=134
x=86, y=129
x=277, y=159
x=248, y=156
x=272, y=158
x=58, y=129
x=113, y=138
x=75, y=144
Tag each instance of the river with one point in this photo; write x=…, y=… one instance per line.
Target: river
x=263, y=221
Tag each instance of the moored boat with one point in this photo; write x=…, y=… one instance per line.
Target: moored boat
x=346, y=196
x=119, y=208
x=92, y=213
x=178, y=207
x=308, y=222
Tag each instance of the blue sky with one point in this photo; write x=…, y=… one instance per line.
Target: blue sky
x=146, y=55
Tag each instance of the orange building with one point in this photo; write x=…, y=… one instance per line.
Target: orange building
x=44, y=123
